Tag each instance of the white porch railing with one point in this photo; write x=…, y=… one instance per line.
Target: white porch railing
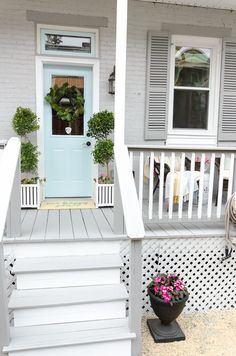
x=183, y=183
x=135, y=231
x=10, y=214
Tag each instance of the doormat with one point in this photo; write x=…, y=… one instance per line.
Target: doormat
x=67, y=204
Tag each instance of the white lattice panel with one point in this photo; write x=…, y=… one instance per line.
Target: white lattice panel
x=198, y=261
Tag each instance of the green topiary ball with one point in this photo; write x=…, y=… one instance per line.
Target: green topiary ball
x=101, y=124
x=24, y=121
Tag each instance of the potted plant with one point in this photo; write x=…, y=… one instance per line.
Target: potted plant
x=100, y=126
x=25, y=122
x=168, y=296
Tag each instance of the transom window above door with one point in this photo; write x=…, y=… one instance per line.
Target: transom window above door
x=66, y=41
x=194, y=85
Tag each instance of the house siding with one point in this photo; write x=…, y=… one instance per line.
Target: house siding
x=18, y=49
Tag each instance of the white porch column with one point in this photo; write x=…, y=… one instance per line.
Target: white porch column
x=121, y=44
x=119, y=139
x=119, y=112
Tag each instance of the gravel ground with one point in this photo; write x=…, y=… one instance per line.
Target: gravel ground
x=210, y=334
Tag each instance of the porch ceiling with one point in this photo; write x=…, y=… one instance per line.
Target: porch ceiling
x=215, y=4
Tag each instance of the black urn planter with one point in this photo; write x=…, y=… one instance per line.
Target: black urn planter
x=166, y=328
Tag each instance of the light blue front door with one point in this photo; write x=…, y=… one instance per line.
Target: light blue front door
x=68, y=160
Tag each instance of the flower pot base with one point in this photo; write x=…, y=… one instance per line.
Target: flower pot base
x=165, y=333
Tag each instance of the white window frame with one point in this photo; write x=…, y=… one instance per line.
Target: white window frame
x=190, y=137
x=65, y=29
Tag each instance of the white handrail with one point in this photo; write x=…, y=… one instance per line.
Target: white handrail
x=149, y=148
x=131, y=208
x=8, y=168
x=9, y=196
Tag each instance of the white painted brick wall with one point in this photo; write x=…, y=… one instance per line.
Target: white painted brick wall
x=17, y=51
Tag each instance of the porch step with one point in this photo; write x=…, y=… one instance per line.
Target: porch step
x=67, y=271
x=22, y=249
x=72, y=304
x=94, y=338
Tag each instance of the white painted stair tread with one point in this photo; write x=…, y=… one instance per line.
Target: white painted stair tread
x=34, y=298
x=35, y=337
x=66, y=263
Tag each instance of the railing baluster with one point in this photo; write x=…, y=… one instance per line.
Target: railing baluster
x=151, y=179
x=211, y=184
x=190, y=203
x=201, y=184
x=179, y=181
x=161, y=184
x=171, y=184
x=231, y=174
x=140, y=189
x=220, y=186
x=182, y=165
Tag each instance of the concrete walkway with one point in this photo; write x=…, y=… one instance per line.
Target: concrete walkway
x=209, y=334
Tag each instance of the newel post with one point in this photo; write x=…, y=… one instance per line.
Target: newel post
x=4, y=317
x=14, y=210
x=135, y=293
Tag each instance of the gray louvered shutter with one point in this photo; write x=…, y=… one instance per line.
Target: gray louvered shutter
x=157, y=85
x=227, y=123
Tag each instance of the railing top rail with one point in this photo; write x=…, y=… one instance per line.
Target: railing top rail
x=148, y=148
x=131, y=208
x=8, y=166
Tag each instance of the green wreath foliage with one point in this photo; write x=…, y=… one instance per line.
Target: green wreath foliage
x=67, y=112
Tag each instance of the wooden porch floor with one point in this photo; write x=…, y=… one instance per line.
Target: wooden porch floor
x=97, y=224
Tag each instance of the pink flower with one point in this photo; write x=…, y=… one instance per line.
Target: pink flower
x=167, y=297
x=179, y=285
x=170, y=288
x=157, y=279
x=156, y=289
x=173, y=275
x=163, y=289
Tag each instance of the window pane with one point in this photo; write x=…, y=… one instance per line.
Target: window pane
x=58, y=125
x=190, y=109
x=67, y=43
x=192, y=67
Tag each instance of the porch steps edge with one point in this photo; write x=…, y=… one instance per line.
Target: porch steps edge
x=40, y=298
x=66, y=334
x=66, y=263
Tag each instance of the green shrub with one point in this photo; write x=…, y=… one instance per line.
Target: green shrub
x=101, y=124
x=29, y=158
x=24, y=121
x=103, y=153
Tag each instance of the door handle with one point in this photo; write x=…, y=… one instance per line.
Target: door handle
x=88, y=143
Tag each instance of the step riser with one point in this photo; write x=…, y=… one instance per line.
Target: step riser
x=114, y=348
x=68, y=278
x=70, y=313
x=46, y=249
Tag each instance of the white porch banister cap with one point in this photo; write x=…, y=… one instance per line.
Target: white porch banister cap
x=214, y=4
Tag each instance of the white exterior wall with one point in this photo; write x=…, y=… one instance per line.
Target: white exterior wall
x=17, y=51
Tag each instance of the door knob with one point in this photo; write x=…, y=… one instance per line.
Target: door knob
x=88, y=143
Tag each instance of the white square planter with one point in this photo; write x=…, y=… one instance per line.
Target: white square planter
x=30, y=195
x=104, y=195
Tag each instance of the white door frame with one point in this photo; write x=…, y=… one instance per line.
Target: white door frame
x=40, y=62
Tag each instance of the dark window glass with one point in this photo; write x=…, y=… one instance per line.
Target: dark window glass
x=60, y=127
x=190, y=109
x=67, y=43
